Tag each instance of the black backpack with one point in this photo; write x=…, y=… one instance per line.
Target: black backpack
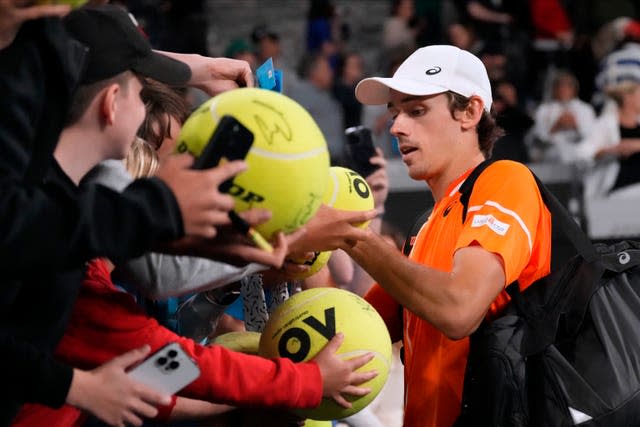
x=566, y=351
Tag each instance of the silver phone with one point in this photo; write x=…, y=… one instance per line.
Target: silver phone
x=168, y=370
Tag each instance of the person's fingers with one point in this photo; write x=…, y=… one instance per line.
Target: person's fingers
x=151, y=396
x=36, y=12
x=131, y=357
x=131, y=419
x=362, y=377
x=247, y=77
x=296, y=236
x=334, y=344
x=293, y=268
x=143, y=408
x=228, y=170
x=360, y=361
x=353, y=390
x=342, y=401
x=206, y=231
x=218, y=215
x=256, y=216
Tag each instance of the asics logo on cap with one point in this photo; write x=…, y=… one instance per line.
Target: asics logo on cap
x=432, y=71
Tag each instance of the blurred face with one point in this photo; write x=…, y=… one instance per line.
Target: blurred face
x=405, y=9
x=631, y=99
x=353, y=69
x=564, y=90
x=427, y=133
x=269, y=48
x=322, y=74
x=459, y=36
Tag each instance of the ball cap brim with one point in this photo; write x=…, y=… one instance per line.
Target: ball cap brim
x=115, y=44
x=428, y=71
x=377, y=90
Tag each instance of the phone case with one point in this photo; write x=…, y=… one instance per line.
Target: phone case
x=359, y=149
x=168, y=370
x=231, y=140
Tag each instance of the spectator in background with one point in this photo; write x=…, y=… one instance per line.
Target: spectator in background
x=464, y=36
x=322, y=31
x=492, y=18
x=553, y=37
x=350, y=72
x=398, y=32
x=267, y=45
x=614, y=140
x=564, y=120
x=515, y=122
x=314, y=93
x=241, y=49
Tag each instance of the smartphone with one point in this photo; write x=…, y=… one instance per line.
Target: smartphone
x=231, y=140
x=168, y=370
x=359, y=149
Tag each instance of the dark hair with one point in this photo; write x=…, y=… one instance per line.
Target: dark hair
x=85, y=94
x=161, y=102
x=308, y=62
x=488, y=130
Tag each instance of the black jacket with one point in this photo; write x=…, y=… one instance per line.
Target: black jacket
x=49, y=228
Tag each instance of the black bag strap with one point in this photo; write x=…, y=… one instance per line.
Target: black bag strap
x=465, y=190
x=467, y=186
x=559, y=213
x=415, y=228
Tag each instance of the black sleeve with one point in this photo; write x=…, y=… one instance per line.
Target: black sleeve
x=41, y=226
x=45, y=227
x=33, y=375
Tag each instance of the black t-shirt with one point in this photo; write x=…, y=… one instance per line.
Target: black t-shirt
x=629, y=166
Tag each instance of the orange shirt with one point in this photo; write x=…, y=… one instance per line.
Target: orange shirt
x=506, y=216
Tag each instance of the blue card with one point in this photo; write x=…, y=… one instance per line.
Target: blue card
x=265, y=75
x=278, y=75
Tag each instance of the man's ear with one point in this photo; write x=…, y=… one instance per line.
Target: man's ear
x=471, y=115
x=109, y=103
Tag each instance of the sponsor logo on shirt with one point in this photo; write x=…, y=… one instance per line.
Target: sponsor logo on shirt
x=490, y=221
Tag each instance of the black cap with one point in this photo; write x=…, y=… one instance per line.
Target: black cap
x=116, y=45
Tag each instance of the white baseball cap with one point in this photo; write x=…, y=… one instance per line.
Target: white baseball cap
x=428, y=71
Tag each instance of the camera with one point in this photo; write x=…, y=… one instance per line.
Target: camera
x=359, y=149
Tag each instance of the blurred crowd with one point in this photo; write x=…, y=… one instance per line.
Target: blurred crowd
x=559, y=69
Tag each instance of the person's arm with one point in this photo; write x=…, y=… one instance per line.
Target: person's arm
x=454, y=302
x=215, y=75
x=160, y=276
x=331, y=229
x=103, y=327
x=629, y=146
x=484, y=260
x=111, y=395
x=585, y=117
x=106, y=391
x=13, y=13
x=192, y=409
x=482, y=13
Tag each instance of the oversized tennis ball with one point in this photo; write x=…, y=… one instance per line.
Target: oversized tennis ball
x=300, y=327
x=346, y=190
x=242, y=341
x=287, y=164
